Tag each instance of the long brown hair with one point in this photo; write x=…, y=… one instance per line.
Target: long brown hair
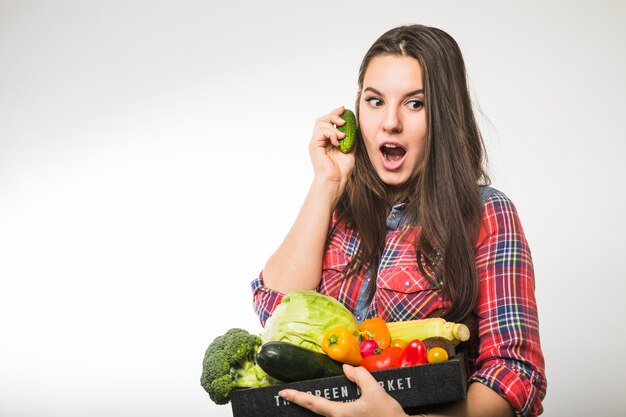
x=444, y=198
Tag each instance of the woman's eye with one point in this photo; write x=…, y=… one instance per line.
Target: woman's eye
x=374, y=101
x=415, y=104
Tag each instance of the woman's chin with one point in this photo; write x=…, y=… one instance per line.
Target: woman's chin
x=393, y=179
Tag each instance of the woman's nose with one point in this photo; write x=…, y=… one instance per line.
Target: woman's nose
x=392, y=122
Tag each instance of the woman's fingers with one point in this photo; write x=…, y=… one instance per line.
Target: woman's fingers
x=332, y=117
x=332, y=134
x=312, y=402
x=338, y=111
x=325, y=131
x=329, y=120
x=362, y=378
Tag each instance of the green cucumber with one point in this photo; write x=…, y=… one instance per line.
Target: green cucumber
x=290, y=363
x=349, y=128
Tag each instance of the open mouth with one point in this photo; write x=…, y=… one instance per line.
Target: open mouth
x=392, y=153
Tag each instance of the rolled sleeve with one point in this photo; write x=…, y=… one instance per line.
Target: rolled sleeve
x=522, y=387
x=264, y=300
x=510, y=360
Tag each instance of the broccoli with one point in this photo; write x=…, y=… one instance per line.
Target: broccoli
x=230, y=362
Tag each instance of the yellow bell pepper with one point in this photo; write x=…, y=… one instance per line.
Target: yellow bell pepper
x=342, y=346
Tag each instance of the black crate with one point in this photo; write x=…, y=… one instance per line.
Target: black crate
x=414, y=387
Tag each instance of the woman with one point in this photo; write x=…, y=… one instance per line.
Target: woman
x=406, y=225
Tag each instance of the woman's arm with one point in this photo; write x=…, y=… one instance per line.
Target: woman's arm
x=480, y=401
x=510, y=360
x=297, y=263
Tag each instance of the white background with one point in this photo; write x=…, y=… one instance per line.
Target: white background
x=154, y=153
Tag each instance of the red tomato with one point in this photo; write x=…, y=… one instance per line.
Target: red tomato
x=387, y=359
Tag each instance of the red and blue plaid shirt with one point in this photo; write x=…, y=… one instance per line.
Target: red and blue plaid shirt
x=507, y=355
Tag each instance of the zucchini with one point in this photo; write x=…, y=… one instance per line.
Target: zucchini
x=349, y=128
x=290, y=363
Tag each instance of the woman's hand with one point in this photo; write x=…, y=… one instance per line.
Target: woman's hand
x=374, y=401
x=329, y=163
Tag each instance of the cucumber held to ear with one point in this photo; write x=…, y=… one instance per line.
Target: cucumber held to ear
x=349, y=128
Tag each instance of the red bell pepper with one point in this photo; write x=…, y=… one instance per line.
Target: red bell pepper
x=387, y=359
x=414, y=353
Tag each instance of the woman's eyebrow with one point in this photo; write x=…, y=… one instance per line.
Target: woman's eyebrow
x=414, y=92
x=409, y=94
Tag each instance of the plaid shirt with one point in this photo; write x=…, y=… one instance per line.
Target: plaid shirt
x=507, y=354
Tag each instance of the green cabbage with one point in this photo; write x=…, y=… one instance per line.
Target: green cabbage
x=304, y=317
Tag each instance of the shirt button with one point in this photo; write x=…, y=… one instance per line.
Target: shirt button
x=394, y=216
x=407, y=283
x=358, y=317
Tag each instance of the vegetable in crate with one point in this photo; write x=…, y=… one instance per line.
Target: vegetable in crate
x=414, y=353
x=398, y=343
x=369, y=347
x=230, y=363
x=291, y=363
x=375, y=329
x=440, y=342
x=341, y=345
x=437, y=354
x=423, y=328
x=303, y=318
x=386, y=359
